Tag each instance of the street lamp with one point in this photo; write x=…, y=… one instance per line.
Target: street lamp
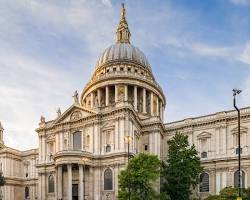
x=236, y=92
x=128, y=139
x=84, y=161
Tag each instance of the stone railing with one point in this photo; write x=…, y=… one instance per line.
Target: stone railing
x=207, y=118
x=122, y=74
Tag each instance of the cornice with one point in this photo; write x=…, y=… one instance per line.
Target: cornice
x=218, y=120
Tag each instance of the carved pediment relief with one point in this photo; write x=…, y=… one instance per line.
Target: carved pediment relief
x=76, y=115
x=242, y=130
x=75, y=112
x=204, y=135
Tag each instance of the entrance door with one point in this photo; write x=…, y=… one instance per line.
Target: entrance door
x=75, y=192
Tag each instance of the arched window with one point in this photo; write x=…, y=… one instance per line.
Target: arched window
x=108, y=179
x=51, y=184
x=242, y=179
x=77, y=140
x=204, y=182
x=27, y=192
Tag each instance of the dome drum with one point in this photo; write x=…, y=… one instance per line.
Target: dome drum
x=144, y=100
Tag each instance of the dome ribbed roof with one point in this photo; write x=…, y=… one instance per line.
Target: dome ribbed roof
x=123, y=51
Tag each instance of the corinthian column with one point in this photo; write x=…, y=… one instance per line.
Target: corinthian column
x=69, y=181
x=135, y=98
x=144, y=100
x=116, y=93
x=59, y=181
x=157, y=107
x=99, y=97
x=91, y=100
x=152, y=103
x=126, y=92
x=81, y=182
x=107, y=96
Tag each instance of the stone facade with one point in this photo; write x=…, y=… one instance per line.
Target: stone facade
x=82, y=151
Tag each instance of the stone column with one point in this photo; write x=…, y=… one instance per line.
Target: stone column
x=56, y=183
x=107, y=96
x=59, y=181
x=160, y=109
x=144, y=100
x=91, y=100
x=126, y=92
x=40, y=149
x=135, y=98
x=99, y=97
x=69, y=167
x=81, y=182
x=152, y=103
x=44, y=149
x=116, y=93
x=157, y=107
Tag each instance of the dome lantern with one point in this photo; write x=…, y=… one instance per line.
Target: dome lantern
x=123, y=33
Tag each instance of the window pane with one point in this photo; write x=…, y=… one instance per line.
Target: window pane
x=204, y=182
x=204, y=154
x=77, y=141
x=108, y=179
x=51, y=184
x=27, y=192
x=242, y=179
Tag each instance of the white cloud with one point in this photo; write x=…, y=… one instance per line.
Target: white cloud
x=240, y=2
x=206, y=50
x=28, y=89
x=35, y=86
x=245, y=56
x=107, y=3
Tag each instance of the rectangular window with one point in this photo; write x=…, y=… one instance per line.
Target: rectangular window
x=77, y=141
x=237, y=151
x=145, y=147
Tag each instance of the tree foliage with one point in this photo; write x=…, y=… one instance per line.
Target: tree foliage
x=141, y=174
x=2, y=179
x=230, y=193
x=181, y=173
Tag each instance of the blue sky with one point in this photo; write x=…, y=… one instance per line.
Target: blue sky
x=198, y=50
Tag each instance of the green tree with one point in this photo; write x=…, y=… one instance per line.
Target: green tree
x=2, y=183
x=141, y=174
x=229, y=193
x=214, y=197
x=181, y=172
x=2, y=179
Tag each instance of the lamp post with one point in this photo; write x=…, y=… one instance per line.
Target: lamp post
x=236, y=92
x=128, y=139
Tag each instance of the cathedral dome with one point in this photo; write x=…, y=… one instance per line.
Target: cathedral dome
x=123, y=52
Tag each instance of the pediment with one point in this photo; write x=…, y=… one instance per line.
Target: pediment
x=75, y=112
x=204, y=135
x=242, y=130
